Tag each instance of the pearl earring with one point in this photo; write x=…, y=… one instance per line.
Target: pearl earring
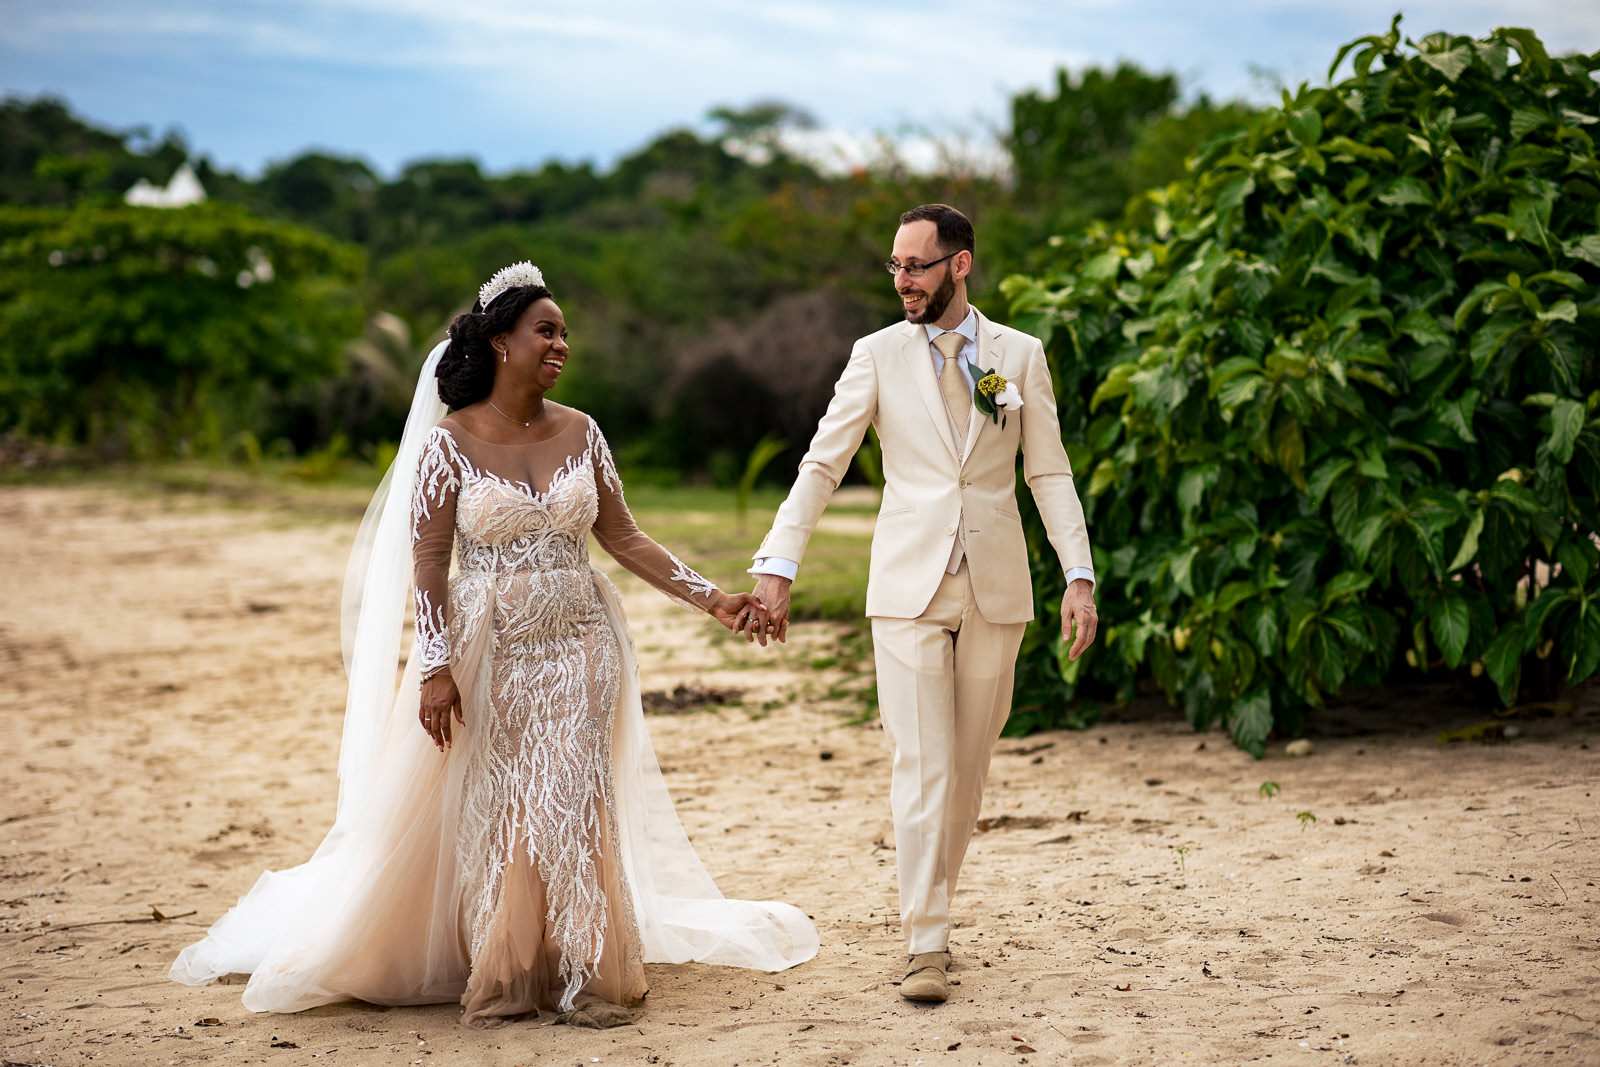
x=505, y=354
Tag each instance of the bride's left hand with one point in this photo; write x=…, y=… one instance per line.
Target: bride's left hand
x=743, y=614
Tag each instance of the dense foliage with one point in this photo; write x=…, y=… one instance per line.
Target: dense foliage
x=135, y=330
x=1332, y=396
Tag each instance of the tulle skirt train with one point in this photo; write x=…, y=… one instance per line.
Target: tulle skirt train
x=377, y=913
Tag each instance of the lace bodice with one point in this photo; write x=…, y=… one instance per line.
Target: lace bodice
x=483, y=500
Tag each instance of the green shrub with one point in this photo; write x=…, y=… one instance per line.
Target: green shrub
x=161, y=332
x=1331, y=397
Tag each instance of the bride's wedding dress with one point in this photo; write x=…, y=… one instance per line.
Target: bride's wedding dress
x=538, y=864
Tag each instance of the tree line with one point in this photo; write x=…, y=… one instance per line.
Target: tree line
x=708, y=272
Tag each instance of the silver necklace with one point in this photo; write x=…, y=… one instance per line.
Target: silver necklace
x=519, y=422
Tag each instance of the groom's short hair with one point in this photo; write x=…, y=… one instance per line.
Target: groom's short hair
x=955, y=229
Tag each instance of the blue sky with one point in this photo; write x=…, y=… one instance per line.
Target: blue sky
x=515, y=82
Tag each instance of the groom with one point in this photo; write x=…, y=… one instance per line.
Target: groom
x=948, y=588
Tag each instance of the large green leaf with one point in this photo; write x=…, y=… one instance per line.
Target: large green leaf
x=1192, y=487
x=1560, y=311
x=1543, y=607
x=1566, y=423
x=1577, y=556
x=1423, y=328
x=1451, y=625
x=1480, y=292
x=1305, y=126
x=1469, y=542
x=1451, y=64
x=1586, y=248
x=1115, y=384
x=1344, y=584
x=1407, y=192
x=1183, y=569
x=1495, y=55
x=1260, y=621
x=1524, y=120
x=1323, y=479
x=1515, y=496
x=1457, y=414
x=1585, y=641
x=1528, y=46
x=1104, y=477
x=1502, y=661
x=1428, y=359
x=1235, y=192
x=1251, y=721
x=1345, y=505
x=1159, y=388
x=1489, y=338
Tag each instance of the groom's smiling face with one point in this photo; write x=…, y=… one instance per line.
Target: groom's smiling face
x=924, y=299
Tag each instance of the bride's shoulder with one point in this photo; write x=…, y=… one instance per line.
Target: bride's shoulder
x=447, y=437
x=573, y=421
x=461, y=420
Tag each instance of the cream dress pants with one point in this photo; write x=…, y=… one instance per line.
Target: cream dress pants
x=944, y=691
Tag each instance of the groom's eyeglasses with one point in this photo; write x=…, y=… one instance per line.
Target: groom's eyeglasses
x=916, y=270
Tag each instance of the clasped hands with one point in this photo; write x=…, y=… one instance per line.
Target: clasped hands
x=759, y=615
x=745, y=614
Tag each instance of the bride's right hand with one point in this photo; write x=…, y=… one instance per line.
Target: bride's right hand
x=440, y=699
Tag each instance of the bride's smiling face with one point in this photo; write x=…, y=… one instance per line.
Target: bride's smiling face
x=537, y=348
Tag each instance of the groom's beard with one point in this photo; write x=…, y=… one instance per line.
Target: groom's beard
x=938, y=301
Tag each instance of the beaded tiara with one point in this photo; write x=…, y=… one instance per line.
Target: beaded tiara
x=512, y=277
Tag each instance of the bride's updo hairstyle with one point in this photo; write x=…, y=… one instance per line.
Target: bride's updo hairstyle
x=466, y=370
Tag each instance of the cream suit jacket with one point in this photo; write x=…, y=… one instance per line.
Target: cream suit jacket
x=934, y=487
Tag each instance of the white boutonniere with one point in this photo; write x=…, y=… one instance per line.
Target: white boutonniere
x=994, y=396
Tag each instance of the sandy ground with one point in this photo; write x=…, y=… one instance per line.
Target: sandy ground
x=173, y=723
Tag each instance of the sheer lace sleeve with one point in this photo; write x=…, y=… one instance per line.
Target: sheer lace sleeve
x=622, y=539
x=433, y=520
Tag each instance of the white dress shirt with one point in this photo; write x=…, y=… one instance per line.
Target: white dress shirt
x=968, y=329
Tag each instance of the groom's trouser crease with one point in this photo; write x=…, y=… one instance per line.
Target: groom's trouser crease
x=944, y=691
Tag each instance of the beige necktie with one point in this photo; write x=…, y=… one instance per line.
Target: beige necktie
x=957, y=393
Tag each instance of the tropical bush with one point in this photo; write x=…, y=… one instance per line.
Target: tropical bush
x=1332, y=396
x=143, y=330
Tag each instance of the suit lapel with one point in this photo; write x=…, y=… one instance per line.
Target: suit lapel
x=919, y=366
x=989, y=356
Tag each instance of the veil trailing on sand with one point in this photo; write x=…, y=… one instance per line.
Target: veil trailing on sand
x=326, y=930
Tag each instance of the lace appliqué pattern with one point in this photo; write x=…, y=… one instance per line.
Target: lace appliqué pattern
x=698, y=586
x=436, y=480
x=538, y=782
x=602, y=451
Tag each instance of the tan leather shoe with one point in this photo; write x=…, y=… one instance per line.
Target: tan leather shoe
x=926, y=980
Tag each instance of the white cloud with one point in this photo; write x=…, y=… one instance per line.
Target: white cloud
x=516, y=81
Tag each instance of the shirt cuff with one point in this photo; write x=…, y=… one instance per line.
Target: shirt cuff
x=783, y=568
x=1079, y=572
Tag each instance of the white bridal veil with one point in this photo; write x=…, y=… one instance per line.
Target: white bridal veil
x=374, y=913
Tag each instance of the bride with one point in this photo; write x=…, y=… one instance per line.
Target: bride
x=520, y=852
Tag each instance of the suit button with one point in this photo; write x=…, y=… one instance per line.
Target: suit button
x=965, y=483
x=949, y=531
